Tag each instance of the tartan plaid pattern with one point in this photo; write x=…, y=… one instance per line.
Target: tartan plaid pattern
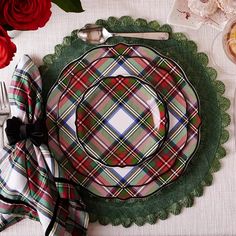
x=103, y=109
x=140, y=174
x=93, y=178
x=27, y=186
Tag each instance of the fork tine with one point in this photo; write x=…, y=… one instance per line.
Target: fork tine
x=1, y=96
x=5, y=96
x=4, y=110
x=4, y=101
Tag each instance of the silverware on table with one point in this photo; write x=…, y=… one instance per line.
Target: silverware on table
x=96, y=34
x=4, y=110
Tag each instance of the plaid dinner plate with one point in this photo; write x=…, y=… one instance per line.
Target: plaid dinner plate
x=123, y=189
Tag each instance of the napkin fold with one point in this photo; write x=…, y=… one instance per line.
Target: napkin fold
x=28, y=186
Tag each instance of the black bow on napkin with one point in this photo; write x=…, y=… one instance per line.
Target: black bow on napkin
x=17, y=131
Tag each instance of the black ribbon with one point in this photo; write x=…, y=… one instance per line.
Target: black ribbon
x=17, y=131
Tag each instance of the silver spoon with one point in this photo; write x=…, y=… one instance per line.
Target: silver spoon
x=96, y=34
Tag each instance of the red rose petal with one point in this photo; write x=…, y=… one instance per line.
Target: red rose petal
x=27, y=14
x=7, y=49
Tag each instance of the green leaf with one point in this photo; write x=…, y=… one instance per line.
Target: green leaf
x=69, y=5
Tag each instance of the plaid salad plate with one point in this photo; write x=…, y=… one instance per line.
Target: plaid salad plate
x=121, y=121
x=168, y=80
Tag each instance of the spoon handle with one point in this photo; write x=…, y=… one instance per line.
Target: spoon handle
x=146, y=35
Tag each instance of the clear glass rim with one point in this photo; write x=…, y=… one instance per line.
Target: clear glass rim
x=215, y=63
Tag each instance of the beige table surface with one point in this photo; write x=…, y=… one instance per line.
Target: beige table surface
x=212, y=214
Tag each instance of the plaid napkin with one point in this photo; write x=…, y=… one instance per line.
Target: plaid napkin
x=28, y=189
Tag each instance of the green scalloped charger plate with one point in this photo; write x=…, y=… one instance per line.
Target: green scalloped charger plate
x=215, y=119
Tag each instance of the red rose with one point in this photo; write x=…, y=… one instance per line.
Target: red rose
x=7, y=48
x=25, y=14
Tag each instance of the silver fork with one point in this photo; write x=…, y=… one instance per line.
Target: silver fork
x=4, y=110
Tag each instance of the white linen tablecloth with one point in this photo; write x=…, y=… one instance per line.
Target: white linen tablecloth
x=212, y=214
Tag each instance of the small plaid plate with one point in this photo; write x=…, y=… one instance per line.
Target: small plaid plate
x=122, y=179
x=121, y=121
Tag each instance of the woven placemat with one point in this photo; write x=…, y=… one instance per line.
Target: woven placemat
x=213, y=107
